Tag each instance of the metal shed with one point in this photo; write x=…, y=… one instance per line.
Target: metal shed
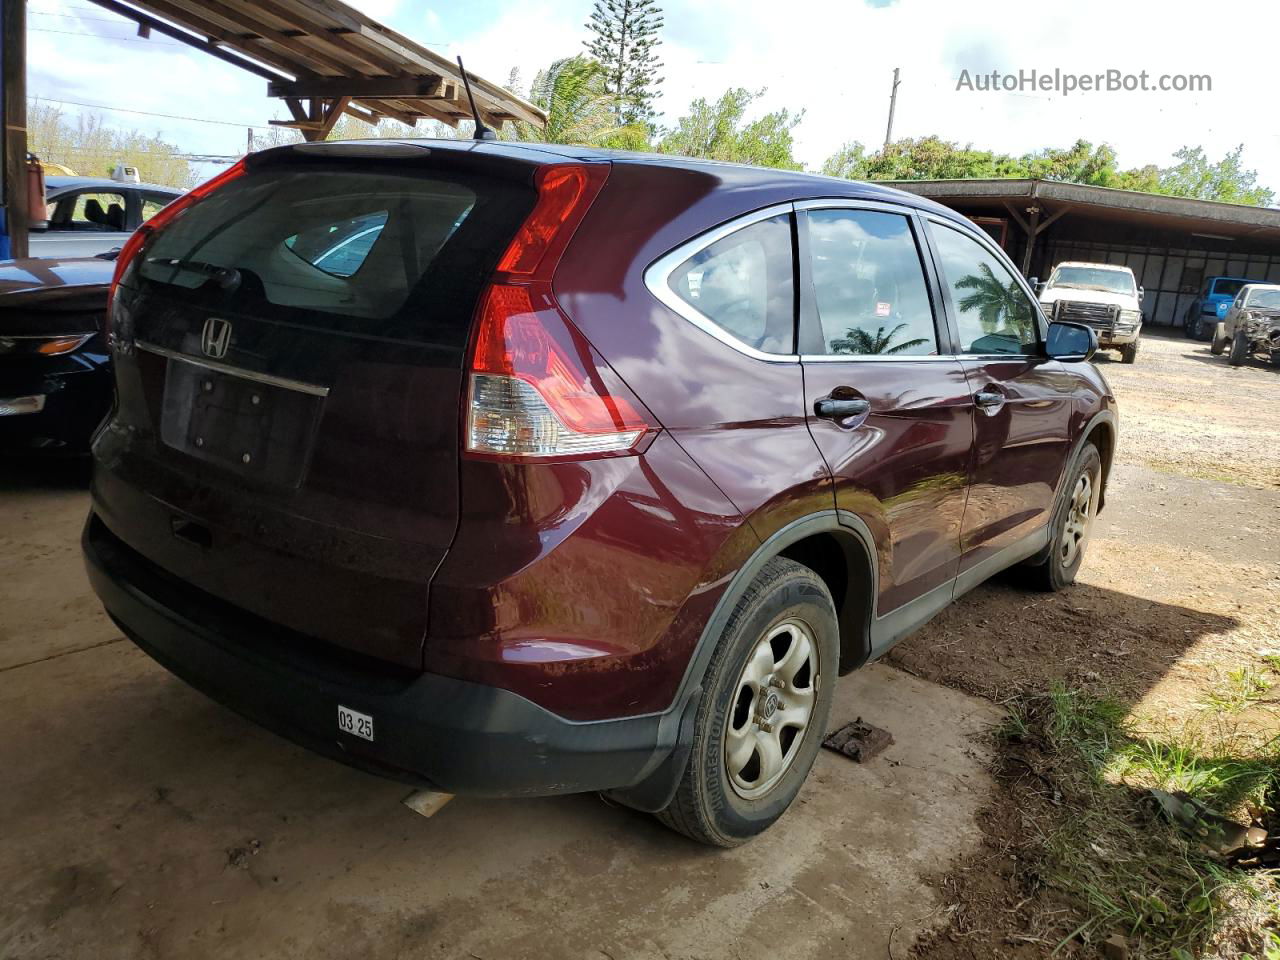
x=1170, y=243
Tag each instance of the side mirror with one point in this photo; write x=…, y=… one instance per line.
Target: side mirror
x=1141, y=293
x=1071, y=342
x=1037, y=285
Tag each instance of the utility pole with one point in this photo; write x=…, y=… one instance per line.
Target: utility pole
x=13, y=128
x=248, y=140
x=893, y=102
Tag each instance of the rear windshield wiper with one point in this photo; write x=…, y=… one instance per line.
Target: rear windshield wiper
x=228, y=277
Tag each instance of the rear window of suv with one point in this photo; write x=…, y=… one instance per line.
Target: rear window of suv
x=382, y=253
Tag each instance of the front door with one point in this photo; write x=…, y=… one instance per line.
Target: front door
x=889, y=409
x=1022, y=400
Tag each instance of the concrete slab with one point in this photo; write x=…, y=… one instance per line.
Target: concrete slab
x=140, y=819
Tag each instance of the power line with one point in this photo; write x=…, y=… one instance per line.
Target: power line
x=103, y=36
x=149, y=113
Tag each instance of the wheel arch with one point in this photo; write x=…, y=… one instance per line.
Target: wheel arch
x=1101, y=432
x=839, y=548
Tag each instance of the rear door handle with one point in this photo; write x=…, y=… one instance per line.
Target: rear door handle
x=988, y=399
x=831, y=409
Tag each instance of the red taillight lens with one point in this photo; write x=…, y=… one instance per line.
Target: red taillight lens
x=140, y=236
x=537, y=387
x=565, y=192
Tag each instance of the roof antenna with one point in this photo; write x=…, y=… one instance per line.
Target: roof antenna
x=481, y=132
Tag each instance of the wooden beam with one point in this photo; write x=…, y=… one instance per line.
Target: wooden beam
x=1045, y=224
x=206, y=46
x=13, y=80
x=231, y=26
x=426, y=88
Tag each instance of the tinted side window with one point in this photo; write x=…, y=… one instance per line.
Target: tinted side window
x=992, y=312
x=869, y=285
x=90, y=212
x=743, y=284
x=153, y=203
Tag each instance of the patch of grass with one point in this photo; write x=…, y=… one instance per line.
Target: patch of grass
x=1120, y=867
x=1242, y=686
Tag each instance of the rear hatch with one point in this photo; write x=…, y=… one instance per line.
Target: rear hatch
x=289, y=378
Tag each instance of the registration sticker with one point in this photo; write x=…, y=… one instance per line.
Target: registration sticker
x=355, y=723
x=882, y=309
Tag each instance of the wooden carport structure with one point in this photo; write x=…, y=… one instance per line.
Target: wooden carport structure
x=323, y=58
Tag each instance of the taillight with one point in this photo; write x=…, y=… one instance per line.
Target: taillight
x=537, y=387
x=139, y=237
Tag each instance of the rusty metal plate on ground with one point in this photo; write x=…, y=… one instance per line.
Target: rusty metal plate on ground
x=859, y=741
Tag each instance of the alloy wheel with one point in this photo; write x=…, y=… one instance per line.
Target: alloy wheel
x=1075, y=531
x=772, y=706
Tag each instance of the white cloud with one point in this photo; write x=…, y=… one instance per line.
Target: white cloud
x=832, y=58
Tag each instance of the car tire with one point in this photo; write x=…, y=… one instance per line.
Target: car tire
x=722, y=800
x=1239, y=349
x=1220, y=340
x=1071, y=524
x=1129, y=352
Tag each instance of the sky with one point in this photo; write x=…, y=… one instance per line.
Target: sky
x=833, y=59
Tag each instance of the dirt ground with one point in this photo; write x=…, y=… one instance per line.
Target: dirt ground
x=141, y=820
x=1180, y=586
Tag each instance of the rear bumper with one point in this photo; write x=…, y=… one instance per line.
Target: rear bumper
x=429, y=730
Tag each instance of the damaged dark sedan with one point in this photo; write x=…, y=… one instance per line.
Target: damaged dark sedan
x=55, y=377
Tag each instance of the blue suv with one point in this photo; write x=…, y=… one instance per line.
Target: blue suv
x=1212, y=304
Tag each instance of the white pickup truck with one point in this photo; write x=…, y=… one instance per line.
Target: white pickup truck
x=1104, y=296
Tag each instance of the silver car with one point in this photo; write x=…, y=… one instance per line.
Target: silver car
x=91, y=215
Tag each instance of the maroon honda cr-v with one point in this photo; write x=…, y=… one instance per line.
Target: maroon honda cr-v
x=520, y=470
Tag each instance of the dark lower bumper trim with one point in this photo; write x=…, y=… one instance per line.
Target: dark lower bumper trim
x=429, y=730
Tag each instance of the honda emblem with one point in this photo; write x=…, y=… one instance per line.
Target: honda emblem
x=216, y=337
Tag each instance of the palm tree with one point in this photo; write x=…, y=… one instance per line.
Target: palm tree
x=860, y=342
x=579, y=109
x=999, y=306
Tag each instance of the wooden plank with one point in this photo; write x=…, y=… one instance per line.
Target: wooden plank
x=13, y=136
x=417, y=88
x=206, y=46
x=248, y=33
x=487, y=95
x=323, y=31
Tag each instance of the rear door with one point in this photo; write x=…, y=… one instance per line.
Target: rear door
x=1023, y=401
x=289, y=385
x=888, y=406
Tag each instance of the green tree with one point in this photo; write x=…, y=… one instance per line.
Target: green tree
x=579, y=108
x=88, y=146
x=859, y=341
x=625, y=41
x=716, y=131
x=1227, y=180
x=931, y=158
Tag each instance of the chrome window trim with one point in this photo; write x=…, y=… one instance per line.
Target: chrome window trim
x=658, y=274
x=298, y=386
x=876, y=357
x=853, y=203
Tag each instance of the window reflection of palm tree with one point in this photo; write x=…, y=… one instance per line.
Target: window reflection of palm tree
x=860, y=341
x=997, y=305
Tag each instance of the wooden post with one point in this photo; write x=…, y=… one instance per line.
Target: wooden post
x=1033, y=228
x=13, y=135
